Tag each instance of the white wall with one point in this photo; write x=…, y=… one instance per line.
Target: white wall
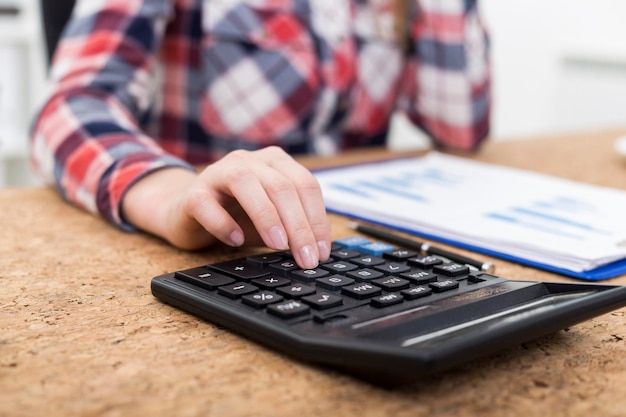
x=558, y=66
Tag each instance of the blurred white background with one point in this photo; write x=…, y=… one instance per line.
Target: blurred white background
x=559, y=66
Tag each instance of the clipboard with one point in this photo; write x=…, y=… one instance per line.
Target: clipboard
x=566, y=227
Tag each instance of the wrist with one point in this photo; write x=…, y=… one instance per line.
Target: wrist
x=147, y=204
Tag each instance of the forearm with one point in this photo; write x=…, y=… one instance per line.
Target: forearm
x=86, y=139
x=88, y=147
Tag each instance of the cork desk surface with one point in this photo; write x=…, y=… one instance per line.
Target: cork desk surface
x=81, y=334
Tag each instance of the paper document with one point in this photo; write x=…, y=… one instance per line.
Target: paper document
x=525, y=215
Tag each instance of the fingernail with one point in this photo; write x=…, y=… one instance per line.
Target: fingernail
x=279, y=238
x=308, y=257
x=236, y=238
x=324, y=249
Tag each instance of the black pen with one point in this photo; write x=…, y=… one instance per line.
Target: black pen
x=423, y=247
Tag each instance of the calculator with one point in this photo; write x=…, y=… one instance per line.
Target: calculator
x=380, y=312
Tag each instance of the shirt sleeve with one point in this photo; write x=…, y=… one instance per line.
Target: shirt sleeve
x=86, y=139
x=448, y=80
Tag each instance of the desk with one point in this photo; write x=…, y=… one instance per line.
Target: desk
x=81, y=334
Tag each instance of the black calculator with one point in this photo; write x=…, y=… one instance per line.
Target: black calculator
x=380, y=312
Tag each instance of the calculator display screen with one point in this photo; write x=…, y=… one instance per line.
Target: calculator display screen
x=419, y=327
x=445, y=303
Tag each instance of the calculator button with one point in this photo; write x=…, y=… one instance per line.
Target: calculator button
x=295, y=290
x=237, y=290
x=261, y=299
x=288, y=309
x=240, y=269
x=323, y=301
x=361, y=291
x=365, y=274
x=451, y=269
x=352, y=242
x=386, y=300
x=441, y=286
x=203, y=277
x=392, y=283
x=339, y=267
x=283, y=268
x=425, y=262
x=476, y=277
x=344, y=254
x=472, y=279
x=400, y=255
x=376, y=248
x=367, y=261
x=334, y=282
x=265, y=259
x=392, y=268
x=310, y=274
x=271, y=281
x=416, y=292
x=419, y=277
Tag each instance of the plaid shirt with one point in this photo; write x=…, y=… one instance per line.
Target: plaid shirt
x=138, y=85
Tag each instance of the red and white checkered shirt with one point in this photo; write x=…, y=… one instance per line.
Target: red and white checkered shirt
x=138, y=85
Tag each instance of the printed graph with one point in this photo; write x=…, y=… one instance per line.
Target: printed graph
x=559, y=216
x=409, y=185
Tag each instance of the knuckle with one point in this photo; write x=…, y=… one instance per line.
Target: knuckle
x=300, y=233
x=196, y=200
x=321, y=227
x=275, y=151
x=237, y=154
x=281, y=186
x=265, y=213
x=310, y=183
x=238, y=172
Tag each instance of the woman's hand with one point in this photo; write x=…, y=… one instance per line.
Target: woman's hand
x=256, y=197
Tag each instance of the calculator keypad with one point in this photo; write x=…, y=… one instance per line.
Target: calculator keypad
x=360, y=274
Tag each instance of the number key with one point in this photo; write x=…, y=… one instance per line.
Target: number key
x=334, y=282
x=339, y=267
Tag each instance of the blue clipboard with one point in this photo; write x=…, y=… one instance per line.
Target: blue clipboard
x=605, y=271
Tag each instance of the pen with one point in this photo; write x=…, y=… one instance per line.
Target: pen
x=422, y=247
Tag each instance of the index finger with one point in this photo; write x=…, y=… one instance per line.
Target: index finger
x=310, y=195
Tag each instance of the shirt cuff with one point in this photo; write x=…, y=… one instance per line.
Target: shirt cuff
x=122, y=175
